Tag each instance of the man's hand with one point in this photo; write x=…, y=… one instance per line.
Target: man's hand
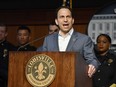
x=91, y=70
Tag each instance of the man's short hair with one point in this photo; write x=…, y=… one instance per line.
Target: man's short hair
x=4, y=25
x=66, y=7
x=23, y=27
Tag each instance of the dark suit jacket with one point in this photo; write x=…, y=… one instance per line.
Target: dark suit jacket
x=78, y=43
x=26, y=48
x=5, y=47
x=106, y=73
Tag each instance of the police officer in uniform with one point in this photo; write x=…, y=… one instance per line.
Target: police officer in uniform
x=105, y=76
x=23, y=38
x=5, y=47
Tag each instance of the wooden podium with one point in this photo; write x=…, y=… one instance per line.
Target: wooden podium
x=71, y=69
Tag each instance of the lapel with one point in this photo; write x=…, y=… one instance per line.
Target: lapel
x=72, y=40
x=55, y=38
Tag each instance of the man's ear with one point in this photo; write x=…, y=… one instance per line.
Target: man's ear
x=73, y=21
x=56, y=21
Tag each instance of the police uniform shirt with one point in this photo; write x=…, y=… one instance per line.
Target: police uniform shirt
x=5, y=47
x=26, y=48
x=106, y=73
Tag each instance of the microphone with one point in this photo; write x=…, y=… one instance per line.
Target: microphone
x=33, y=41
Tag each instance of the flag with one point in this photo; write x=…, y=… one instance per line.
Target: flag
x=67, y=3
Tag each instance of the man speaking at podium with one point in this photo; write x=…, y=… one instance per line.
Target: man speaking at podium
x=66, y=39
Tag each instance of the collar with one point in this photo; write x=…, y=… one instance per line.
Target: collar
x=69, y=33
x=2, y=41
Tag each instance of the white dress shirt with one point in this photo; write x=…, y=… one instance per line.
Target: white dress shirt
x=64, y=40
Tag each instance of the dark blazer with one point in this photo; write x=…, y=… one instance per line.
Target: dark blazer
x=78, y=43
x=26, y=48
x=106, y=73
x=5, y=47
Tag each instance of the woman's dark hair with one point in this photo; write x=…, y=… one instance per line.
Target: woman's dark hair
x=66, y=7
x=105, y=35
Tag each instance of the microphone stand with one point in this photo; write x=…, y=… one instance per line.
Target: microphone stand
x=31, y=42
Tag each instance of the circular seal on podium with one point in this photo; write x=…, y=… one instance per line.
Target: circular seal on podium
x=40, y=70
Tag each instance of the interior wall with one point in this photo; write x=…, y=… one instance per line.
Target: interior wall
x=37, y=32
x=38, y=20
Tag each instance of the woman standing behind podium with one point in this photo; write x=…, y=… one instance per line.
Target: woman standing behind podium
x=105, y=76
